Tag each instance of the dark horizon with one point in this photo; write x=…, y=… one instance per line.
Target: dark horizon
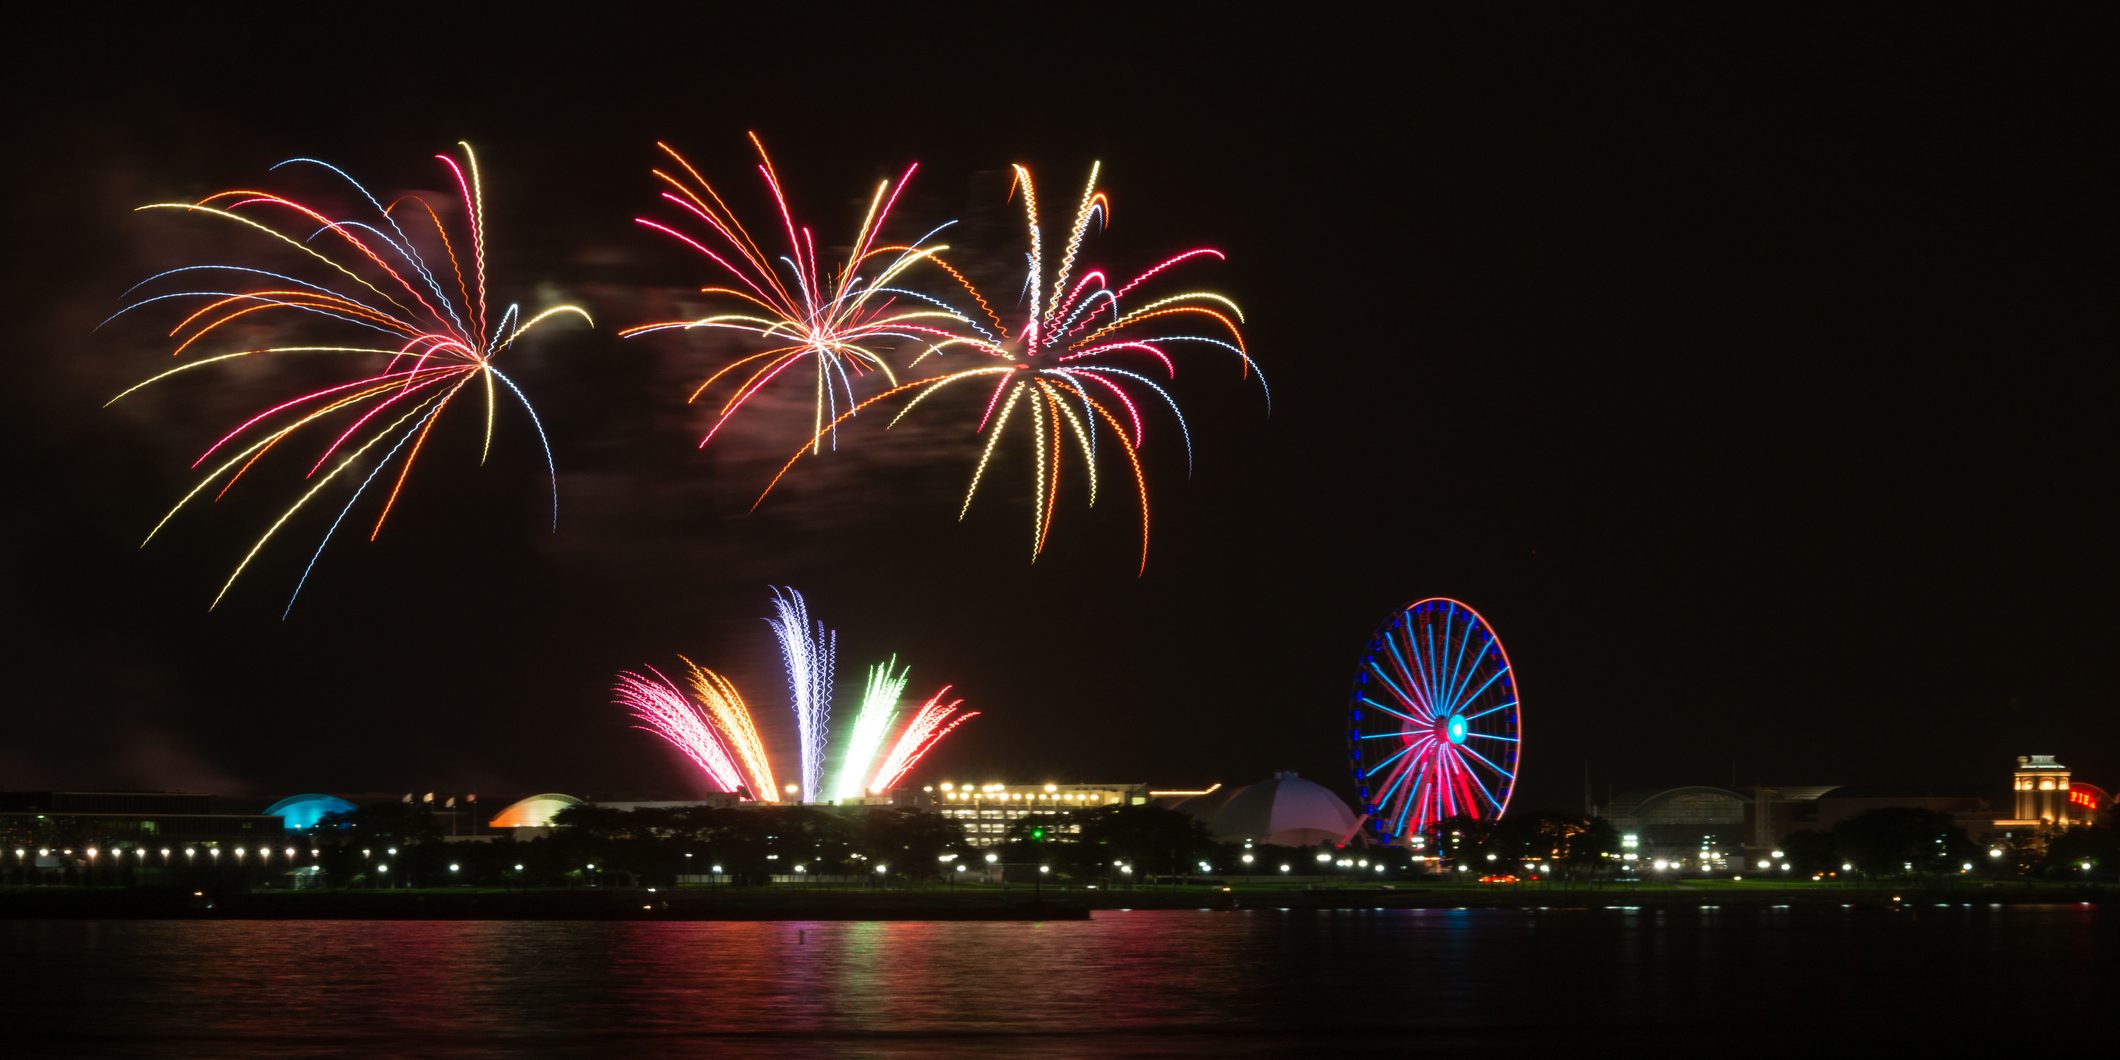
x=1749, y=378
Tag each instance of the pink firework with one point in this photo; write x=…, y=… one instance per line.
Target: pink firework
x=670, y=714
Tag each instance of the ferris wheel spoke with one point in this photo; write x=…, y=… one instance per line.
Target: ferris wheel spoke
x=1490, y=710
x=1491, y=736
x=1381, y=766
x=1439, y=786
x=1435, y=661
x=1457, y=666
x=1404, y=672
x=1387, y=710
x=1396, y=780
x=1410, y=702
x=1420, y=666
x=1406, y=808
x=1462, y=786
x=1389, y=735
x=1496, y=676
x=1484, y=760
x=1473, y=775
x=1460, y=675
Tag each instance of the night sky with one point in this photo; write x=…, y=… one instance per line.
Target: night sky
x=1752, y=379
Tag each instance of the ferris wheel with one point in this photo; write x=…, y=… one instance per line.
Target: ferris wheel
x=1433, y=723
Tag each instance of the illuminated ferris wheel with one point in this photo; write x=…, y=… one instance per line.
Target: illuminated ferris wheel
x=1433, y=723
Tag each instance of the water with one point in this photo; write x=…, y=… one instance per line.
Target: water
x=1143, y=983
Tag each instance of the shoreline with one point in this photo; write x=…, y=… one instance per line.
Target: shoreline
x=1016, y=904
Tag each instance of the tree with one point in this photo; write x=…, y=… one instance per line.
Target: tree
x=2070, y=850
x=1151, y=838
x=909, y=841
x=1892, y=840
x=1811, y=851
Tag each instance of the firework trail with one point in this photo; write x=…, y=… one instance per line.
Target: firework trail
x=879, y=707
x=1074, y=367
x=933, y=721
x=412, y=298
x=809, y=658
x=664, y=711
x=716, y=731
x=732, y=721
x=714, y=728
x=831, y=324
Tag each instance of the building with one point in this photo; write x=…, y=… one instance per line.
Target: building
x=986, y=810
x=300, y=813
x=105, y=831
x=533, y=812
x=128, y=819
x=1702, y=828
x=1282, y=810
x=2043, y=796
x=1694, y=827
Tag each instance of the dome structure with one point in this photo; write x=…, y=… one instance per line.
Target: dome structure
x=1284, y=810
x=300, y=813
x=534, y=812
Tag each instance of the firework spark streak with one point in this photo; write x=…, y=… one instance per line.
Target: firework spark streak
x=717, y=732
x=423, y=339
x=714, y=728
x=732, y=721
x=664, y=711
x=809, y=657
x=831, y=324
x=879, y=707
x=1073, y=367
x=933, y=721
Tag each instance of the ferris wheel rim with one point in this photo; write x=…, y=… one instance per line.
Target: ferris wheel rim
x=1431, y=761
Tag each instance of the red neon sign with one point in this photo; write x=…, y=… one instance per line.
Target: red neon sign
x=2083, y=798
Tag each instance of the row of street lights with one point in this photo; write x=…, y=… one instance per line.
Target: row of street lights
x=264, y=853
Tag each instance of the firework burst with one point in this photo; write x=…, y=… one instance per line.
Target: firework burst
x=1076, y=367
x=412, y=299
x=830, y=323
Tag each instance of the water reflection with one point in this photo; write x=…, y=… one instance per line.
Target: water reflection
x=1138, y=983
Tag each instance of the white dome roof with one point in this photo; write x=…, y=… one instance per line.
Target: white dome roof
x=534, y=812
x=1285, y=810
